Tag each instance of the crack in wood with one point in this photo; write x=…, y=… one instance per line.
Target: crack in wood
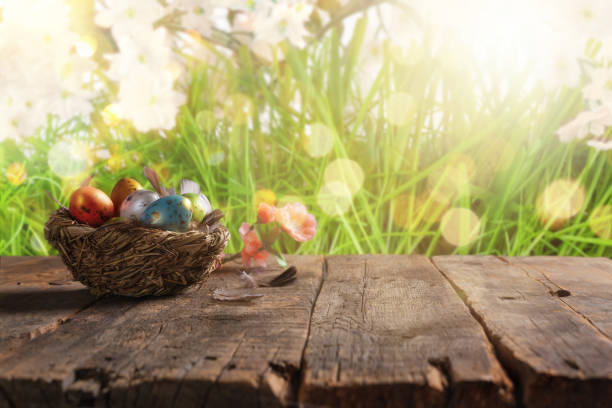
x=502, y=353
x=559, y=293
x=363, y=289
x=223, y=369
x=91, y=381
x=299, y=377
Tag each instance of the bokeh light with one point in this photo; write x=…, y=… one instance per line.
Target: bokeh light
x=206, y=120
x=452, y=180
x=68, y=158
x=16, y=173
x=111, y=114
x=560, y=200
x=460, y=226
x=115, y=163
x=239, y=108
x=600, y=221
x=86, y=46
x=318, y=139
x=400, y=108
x=174, y=69
x=216, y=158
x=404, y=209
x=265, y=195
x=345, y=171
x=335, y=198
x=410, y=210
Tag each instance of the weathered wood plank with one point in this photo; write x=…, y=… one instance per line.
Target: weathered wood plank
x=390, y=331
x=584, y=284
x=37, y=294
x=557, y=358
x=32, y=270
x=186, y=350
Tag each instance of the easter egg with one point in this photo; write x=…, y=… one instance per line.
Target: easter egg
x=134, y=205
x=171, y=213
x=200, y=205
x=91, y=206
x=122, y=189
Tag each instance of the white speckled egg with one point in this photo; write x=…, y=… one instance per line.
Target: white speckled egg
x=134, y=205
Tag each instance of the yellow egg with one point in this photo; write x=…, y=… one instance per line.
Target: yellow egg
x=122, y=189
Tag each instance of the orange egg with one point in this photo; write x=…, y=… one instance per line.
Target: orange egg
x=122, y=189
x=91, y=206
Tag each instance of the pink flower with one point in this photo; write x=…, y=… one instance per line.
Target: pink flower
x=252, y=247
x=296, y=221
x=266, y=213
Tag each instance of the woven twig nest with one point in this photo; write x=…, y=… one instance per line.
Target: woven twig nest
x=130, y=259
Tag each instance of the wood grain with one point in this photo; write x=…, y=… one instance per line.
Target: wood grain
x=390, y=331
x=32, y=270
x=183, y=351
x=555, y=356
x=37, y=294
x=584, y=284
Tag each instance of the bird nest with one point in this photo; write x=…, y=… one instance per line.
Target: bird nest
x=131, y=259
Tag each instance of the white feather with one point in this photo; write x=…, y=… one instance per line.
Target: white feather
x=189, y=186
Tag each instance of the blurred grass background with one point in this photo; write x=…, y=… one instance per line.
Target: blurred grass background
x=433, y=132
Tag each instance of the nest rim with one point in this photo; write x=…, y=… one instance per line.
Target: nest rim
x=131, y=259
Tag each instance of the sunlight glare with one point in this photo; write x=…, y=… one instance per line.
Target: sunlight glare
x=400, y=108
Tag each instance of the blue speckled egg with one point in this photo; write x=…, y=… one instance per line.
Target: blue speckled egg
x=172, y=213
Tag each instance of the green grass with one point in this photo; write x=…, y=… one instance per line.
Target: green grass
x=459, y=111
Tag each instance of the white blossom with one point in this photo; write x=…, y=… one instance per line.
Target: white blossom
x=592, y=123
x=145, y=65
x=143, y=48
x=284, y=21
x=149, y=100
x=41, y=74
x=198, y=15
x=599, y=89
x=600, y=144
x=127, y=16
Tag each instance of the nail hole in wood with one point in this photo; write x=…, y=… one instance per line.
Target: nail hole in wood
x=571, y=364
x=562, y=293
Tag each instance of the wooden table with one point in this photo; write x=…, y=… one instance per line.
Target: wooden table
x=375, y=330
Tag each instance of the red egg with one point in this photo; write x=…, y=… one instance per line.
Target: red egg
x=91, y=206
